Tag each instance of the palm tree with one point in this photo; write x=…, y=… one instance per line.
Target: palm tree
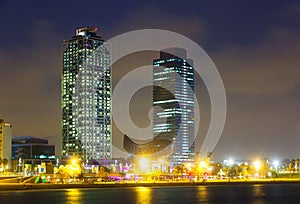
x=297, y=164
x=216, y=168
x=5, y=162
x=1, y=163
x=178, y=169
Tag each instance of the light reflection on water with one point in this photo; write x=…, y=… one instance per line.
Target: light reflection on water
x=74, y=196
x=202, y=194
x=259, y=194
x=144, y=195
x=245, y=194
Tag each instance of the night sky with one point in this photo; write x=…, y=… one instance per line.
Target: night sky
x=254, y=44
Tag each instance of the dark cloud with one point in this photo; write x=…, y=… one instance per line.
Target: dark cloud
x=30, y=82
x=270, y=66
x=291, y=11
x=150, y=17
x=262, y=83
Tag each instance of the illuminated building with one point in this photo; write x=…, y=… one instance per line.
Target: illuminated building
x=173, y=117
x=5, y=142
x=174, y=72
x=86, y=96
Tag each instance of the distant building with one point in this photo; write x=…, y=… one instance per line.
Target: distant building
x=5, y=143
x=28, y=147
x=86, y=97
x=28, y=153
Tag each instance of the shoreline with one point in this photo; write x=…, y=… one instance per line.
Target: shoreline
x=32, y=186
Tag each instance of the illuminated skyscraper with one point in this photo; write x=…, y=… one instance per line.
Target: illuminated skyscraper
x=173, y=92
x=86, y=96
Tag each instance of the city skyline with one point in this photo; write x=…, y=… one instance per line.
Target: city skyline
x=254, y=46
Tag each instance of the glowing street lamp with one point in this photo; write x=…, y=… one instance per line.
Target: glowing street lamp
x=74, y=167
x=230, y=162
x=276, y=163
x=144, y=164
x=74, y=162
x=257, y=165
x=202, y=164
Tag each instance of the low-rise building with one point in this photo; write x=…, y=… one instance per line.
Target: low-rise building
x=28, y=152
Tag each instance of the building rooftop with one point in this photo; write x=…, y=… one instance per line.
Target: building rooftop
x=28, y=140
x=86, y=30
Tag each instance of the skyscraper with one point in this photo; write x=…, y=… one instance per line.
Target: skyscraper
x=86, y=96
x=173, y=92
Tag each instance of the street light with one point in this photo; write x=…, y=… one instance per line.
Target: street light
x=74, y=161
x=230, y=162
x=202, y=164
x=20, y=164
x=144, y=164
x=276, y=163
x=74, y=167
x=257, y=165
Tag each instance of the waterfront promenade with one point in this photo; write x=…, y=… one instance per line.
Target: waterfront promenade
x=28, y=186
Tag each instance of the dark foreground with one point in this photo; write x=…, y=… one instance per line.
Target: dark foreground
x=248, y=193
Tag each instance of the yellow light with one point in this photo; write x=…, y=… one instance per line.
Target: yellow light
x=144, y=163
x=144, y=195
x=257, y=165
x=189, y=166
x=74, y=161
x=73, y=196
x=202, y=164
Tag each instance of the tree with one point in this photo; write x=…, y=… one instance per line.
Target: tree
x=226, y=170
x=63, y=174
x=237, y=170
x=103, y=172
x=3, y=163
x=291, y=166
x=180, y=169
x=244, y=170
x=216, y=168
x=265, y=167
x=297, y=164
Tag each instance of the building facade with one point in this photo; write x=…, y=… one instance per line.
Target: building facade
x=86, y=96
x=28, y=147
x=173, y=96
x=30, y=153
x=5, y=144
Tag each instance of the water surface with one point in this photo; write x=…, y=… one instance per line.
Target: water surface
x=260, y=193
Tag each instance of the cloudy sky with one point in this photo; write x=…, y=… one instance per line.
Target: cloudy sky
x=254, y=44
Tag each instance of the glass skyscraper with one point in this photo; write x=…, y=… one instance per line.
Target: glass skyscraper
x=86, y=96
x=173, y=92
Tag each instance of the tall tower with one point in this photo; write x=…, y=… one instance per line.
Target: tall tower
x=173, y=92
x=5, y=143
x=86, y=96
